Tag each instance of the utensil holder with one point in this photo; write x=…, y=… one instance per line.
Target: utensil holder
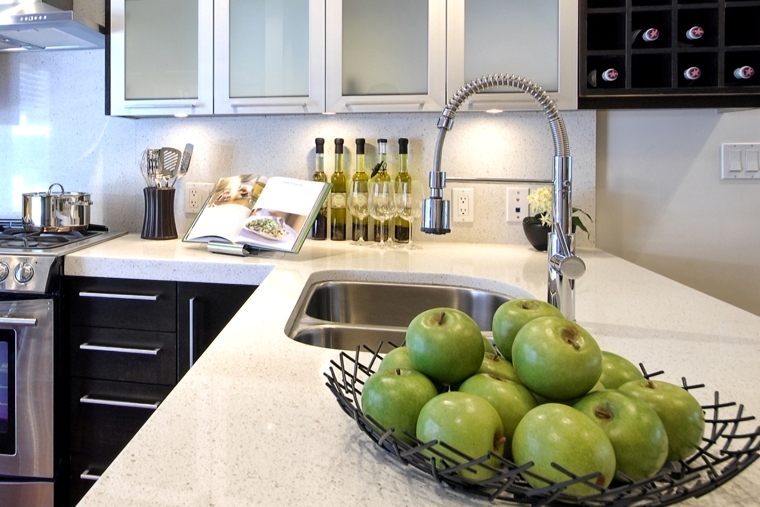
x=159, y=214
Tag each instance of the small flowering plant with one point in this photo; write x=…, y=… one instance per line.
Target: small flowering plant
x=541, y=202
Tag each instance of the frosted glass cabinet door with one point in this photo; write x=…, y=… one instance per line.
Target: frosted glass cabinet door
x=269, y=56
x=162, y=59
x=535, y=39
x=386, y=55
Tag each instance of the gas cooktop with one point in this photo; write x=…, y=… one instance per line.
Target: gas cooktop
x=27, y=258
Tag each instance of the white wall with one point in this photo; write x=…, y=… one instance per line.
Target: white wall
x=53, y=129
x=661, y=203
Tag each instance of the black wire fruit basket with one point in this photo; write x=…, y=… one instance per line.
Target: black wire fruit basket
x=728, y=447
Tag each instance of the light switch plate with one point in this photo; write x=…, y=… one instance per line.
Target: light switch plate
x=739, y=161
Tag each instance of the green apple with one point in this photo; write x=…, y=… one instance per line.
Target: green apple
x=445, y=344
x=679, y=411
x=497, y=366
x=511, y=316
x=556, y=358
x=397, y=358
x=466, y=422
x=541, y=400
x=394, y=399
x=617, y=370
x=556, y=433
x=634, y=429
x=488, y=346
x=510, y=399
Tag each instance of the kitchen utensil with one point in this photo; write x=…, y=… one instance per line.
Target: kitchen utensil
x=152, y=167
x=184, y=164
x=169, y=159
x=59, y=212
x=144, y=168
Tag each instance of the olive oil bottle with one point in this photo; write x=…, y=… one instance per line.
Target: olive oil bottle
x=359, y=227
x=380, y=173
x=338, y=196
x=319, y=229
x=401, y=226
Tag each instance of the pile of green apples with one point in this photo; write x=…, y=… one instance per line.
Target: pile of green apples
x=545, y=394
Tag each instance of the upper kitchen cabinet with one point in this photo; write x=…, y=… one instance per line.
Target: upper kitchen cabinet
x=669, y=53
x=269, y=56
x=535, y=39
x=161, y=57
x=385, y=55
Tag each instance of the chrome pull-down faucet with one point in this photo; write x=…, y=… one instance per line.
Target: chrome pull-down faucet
x=564, y=265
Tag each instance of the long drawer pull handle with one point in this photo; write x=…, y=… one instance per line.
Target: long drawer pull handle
x=18, y=321
x=191, y=336
x=108, y=295
x=123, y=350
x=87, y=476
x=161, y=105
x=115, y=403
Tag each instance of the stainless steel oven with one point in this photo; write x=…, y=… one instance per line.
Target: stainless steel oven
x=33, y=364
x=27, y=465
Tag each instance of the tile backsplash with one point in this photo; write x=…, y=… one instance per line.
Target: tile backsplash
x=53, y=130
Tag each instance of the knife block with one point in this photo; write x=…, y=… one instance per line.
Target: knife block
x=159, y=214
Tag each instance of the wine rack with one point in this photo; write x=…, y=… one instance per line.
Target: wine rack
x=652, y=73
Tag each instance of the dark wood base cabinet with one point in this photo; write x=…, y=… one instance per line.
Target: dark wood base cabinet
x=130, y=342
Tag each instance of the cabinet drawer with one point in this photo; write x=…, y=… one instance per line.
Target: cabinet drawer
x=121, y=354
x=125, y=304
x=85, y=469
x=106, y=415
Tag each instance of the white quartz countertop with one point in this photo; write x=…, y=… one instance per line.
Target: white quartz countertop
x=254, y=424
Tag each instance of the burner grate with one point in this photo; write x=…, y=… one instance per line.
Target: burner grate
x=13, y=236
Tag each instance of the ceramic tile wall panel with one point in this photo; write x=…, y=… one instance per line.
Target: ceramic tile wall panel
x=53, y=129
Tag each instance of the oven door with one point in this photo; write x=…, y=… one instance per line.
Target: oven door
x=26, y=389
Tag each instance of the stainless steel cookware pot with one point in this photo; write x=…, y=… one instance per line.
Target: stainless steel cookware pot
x=56, y=212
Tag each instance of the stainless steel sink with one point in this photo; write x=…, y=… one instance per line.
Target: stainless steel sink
x=390, y=304
x=343, y=314
x=349, y=337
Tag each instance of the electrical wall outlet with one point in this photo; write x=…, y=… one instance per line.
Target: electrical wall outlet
x=517, y=204
x=195, y=195
x=462, y=205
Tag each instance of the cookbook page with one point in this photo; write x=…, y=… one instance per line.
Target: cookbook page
x=281, y=213
x=230, y=203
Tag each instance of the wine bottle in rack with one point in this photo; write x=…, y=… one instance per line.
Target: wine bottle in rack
x=598, y=78
x=695, y=33
x=692, y=74
x=743, y=73
x=359, y=227
x=380, y=173
x=338, y=196
x=319, y=229
x=401, y=226
x=643, y=37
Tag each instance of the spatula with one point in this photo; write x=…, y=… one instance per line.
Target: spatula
x=184, y=164
x=169, y=159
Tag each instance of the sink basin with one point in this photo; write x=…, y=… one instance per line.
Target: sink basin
x=349, y=337
x=340, y=314
x=392, y=304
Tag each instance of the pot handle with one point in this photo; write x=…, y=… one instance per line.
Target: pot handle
x=50, y=188
x=74, y=202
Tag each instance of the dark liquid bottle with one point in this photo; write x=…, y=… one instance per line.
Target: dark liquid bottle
x=596, y=78
x=642, y=38
x=380, y=173
x=401, y=226
x=319, y=229
x=359, y=227
x=338, y=196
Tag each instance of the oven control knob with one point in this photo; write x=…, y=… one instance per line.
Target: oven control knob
x=24, y=272
x=4, y=270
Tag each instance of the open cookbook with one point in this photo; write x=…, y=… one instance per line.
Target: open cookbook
x=274, y=213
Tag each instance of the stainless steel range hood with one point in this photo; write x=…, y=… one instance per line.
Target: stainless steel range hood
x=46, y=25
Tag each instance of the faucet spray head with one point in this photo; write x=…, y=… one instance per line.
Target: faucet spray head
x=436, y=216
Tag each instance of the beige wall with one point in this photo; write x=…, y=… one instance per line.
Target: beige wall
x=661, y=203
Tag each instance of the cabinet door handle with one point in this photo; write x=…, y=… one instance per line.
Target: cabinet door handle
x=116, y=403
x=238, y=104
x=123, y=350
x=18, y=321
x=87, y=476
x=161, y=105
x=191, y=334
x=108, y=295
